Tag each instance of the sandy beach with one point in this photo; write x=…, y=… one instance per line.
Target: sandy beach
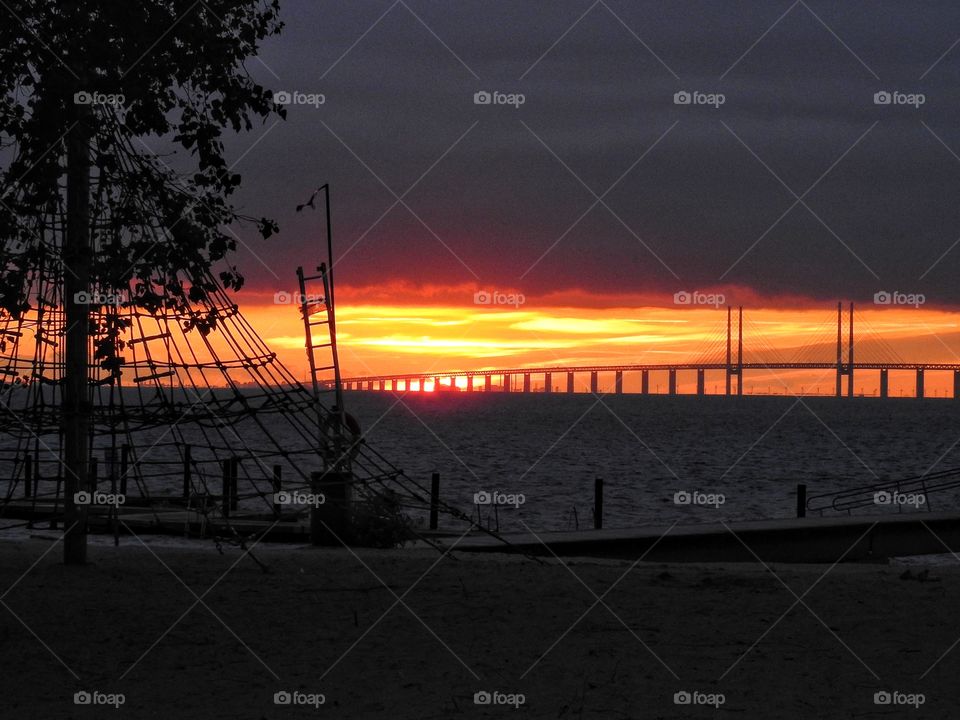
x=326, y=626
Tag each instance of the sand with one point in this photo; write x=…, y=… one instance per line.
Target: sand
x=326, y=622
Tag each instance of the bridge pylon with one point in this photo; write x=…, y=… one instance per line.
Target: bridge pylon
x=844, y=368
x=735, y=368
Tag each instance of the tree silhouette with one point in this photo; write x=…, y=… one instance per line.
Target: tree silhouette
x=172, y=69
x=83, y=85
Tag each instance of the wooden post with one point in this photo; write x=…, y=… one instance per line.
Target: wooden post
x=330, y=520
x=801, y=500
x=234, y=473
x=27, y=474
x=225, y=501
x=277, y=483
x=598, y=504
x=187, y=472
x=434, y=500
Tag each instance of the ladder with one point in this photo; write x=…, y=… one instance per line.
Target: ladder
x=316, y=301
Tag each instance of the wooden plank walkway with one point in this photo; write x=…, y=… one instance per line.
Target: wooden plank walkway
x=803, y=540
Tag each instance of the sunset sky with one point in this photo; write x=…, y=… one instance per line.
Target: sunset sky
x=600, y=197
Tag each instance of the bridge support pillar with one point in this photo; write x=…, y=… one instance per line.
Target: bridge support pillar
x=618, y=382
x=672, y=381
x=526, y=382
x=382, y=386
x=593, y=382
x=839, y=392
x=570, y=382
x=370, y=385
x=701, y=382
x=884, y=384
x=505, y=383
x=919, y=382
x=547, y=382
x=487, y=383
x=645, y=382
x=956, y=384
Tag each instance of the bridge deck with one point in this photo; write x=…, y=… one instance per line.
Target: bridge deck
x=657, y=367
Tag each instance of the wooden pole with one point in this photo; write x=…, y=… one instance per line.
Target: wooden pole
x=124, y=465
x=434, y=500
x=76, y=406
x=598, y=504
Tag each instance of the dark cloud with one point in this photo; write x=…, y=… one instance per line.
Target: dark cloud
x=706, y=205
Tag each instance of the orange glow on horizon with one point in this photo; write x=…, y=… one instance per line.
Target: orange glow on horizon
x=382, y=339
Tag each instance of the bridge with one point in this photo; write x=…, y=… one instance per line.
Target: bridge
x=728, y=359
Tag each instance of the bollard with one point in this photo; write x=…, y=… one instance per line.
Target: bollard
x=801, y=500
x=598, y=504
x=330, y=520
x=434, y=500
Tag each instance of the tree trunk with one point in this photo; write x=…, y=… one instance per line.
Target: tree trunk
x=77, y=256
